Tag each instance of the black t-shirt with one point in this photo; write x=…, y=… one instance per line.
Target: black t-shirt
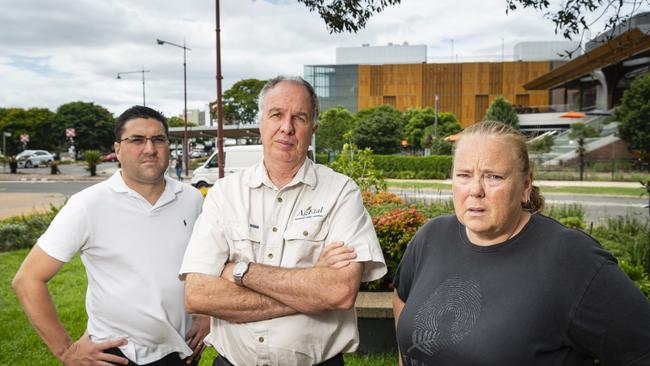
x=548, y=296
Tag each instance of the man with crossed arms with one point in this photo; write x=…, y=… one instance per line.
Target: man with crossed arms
x=279, y=251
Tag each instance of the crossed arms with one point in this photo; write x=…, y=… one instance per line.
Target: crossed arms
x=270, y=292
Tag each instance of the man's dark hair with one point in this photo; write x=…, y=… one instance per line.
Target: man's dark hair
x=138, y=111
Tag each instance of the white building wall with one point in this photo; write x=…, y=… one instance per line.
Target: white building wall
x=545, y=51
x=381, y=55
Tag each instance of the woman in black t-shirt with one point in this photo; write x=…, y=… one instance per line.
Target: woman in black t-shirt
x=498, y=283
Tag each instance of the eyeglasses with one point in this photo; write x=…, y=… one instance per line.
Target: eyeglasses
x=137, y=140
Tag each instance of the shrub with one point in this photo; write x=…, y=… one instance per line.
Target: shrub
x=563, y=211
x=427, y=167
x=572, y=222
x=358, y=165
x=395, y=229
x=22, y=231
x=93, y=158
x=380, y=198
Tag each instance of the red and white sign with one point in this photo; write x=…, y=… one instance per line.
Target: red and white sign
x=24, y=137
x=70, y=132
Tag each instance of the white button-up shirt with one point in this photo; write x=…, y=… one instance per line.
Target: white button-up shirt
x=245, y=217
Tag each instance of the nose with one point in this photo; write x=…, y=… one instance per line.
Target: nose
x=476, y=186
x=287, y=126
x=149, y=147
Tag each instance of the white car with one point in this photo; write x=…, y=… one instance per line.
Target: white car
x=32, y=158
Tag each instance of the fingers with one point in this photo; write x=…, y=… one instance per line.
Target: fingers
x=114, y=359
x=336, y=255
x=196, y=356
x=118, y=342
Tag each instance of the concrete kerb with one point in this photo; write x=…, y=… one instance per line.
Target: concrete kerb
x=540, y=183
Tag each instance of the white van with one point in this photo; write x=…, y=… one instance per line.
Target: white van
x=237, y=158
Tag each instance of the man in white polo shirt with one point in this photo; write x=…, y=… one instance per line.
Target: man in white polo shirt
x=279, y=251
x=131, y=231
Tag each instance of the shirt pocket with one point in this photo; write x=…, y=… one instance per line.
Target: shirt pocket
x=303, y=242
x=245, y=242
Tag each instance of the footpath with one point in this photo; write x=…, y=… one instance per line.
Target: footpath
x=17, y=203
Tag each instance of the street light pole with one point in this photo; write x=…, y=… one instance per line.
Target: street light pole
x=119, y=76
x=185, y=49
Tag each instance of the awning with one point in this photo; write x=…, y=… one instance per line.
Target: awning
x=616, y=50
x=229, y=131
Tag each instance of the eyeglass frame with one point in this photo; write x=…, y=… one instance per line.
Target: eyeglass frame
x=156, y=140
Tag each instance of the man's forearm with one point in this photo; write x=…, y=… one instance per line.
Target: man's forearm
x=219, y=298
x=308, y=290
x=37, y=304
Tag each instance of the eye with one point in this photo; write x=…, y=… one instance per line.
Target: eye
x=159, y=139
x=494, y=177
x=137, y=140
x=462, y=175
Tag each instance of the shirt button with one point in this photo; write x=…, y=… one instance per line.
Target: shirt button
x=261, y=339
x=279, y=199
x=305, y=233
x=270, y=255
x=274, y=229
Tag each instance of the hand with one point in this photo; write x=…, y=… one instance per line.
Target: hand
x=195, y=335
x=226, y=274
x=336, y=255
x=86, y=352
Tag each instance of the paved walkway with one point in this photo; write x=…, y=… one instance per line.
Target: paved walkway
x=542, y=183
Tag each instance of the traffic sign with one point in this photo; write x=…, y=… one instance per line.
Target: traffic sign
x=24, y=137
x=70, y=132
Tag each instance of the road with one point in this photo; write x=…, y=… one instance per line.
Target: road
x=596, y=207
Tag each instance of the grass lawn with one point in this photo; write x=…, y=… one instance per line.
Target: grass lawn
x=21, y=346
x=609, y=191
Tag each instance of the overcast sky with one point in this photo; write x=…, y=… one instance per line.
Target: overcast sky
x=55, y=52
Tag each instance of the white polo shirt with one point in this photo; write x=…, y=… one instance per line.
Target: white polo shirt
x=245, y=217
x=132, y=251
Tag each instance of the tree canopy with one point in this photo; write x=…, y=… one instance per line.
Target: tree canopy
x=35, y=122
x=94, y=125
x=634, y=115
x=347, y=16
x=379, y=128
x=175, y=121
x=574, y=17
x=501, y=110
x=240, y=101
x=333, y=124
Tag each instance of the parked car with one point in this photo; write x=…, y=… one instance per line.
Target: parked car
x=109, y=157
x=33, y=158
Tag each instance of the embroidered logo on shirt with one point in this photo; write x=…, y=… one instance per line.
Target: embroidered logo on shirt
x=254, y=226
x=309, y=213
x=184, y=222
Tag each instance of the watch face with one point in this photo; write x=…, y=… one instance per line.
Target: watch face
x=240, y=267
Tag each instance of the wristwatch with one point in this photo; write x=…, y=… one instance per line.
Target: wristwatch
x=239, y=271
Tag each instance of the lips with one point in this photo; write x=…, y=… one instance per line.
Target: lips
x=476, y=210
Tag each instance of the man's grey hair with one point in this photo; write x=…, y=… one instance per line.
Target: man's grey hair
x=295, y=79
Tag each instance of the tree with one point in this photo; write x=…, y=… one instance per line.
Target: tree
x=333, y=124
x=35, y=122
x=634, y=115
x=418, y=120
x=574, y=17
x=379, y=128
x=93, y=124
x=240, y=101
x=579, y=132
x=349, y=16
x=447, y=126
x=175, y=121
x=501, y=110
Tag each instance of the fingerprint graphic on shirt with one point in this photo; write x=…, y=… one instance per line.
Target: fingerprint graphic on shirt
x=448, y=315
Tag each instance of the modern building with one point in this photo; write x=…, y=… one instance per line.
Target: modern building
x=399, y=75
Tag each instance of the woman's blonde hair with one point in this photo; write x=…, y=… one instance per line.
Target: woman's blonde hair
x=535, y=201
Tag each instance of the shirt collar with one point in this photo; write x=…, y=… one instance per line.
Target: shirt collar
x=172, y=187
x=306, y=175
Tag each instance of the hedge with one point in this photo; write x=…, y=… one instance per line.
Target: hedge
x=409, y=167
